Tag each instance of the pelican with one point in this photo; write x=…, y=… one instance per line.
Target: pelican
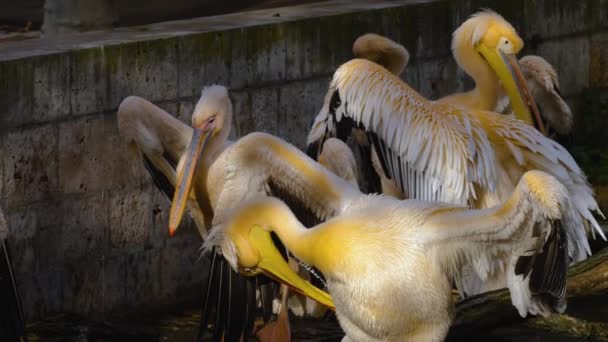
x=440, y=152
x=12, y=323
x=543, y=83
x=394, y=57
x=484, y=46
x=163, y=142
x=389, y=264
x=386, y=52
x=180, y=157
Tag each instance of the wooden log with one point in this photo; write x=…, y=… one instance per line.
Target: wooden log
x=494, y=309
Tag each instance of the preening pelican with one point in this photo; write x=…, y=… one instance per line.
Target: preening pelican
x=381, y=50
x=201, y=157
x=12, y=323
x=484, y=46
x=164, y=142
x=439, y=152
x=389, y=264
x=543, y=83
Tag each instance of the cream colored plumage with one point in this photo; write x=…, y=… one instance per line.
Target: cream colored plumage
x=337, y=157
x=220, y=180
x=439, y=152
x=381, y=50
x=164, y=142
x=389, y=264
x=544, y=85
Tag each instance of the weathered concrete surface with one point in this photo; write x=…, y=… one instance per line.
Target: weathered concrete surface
x=89, y=230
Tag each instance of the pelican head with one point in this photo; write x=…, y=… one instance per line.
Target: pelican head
x=487, y=39
x=249, y=247
x=386, y=52
x=211, y=122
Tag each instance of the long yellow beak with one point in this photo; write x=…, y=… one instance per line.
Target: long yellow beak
x=508, y=71
x=272, y=264
x=184, y=178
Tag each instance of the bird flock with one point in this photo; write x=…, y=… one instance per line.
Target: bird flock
x=466, y=193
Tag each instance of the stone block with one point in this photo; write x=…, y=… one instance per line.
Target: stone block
x=31, y=227
x=85, y=225
x=147, y=69
x=303, y=49
x=94, y=157
x=16, y=92
x=115, y=291
x=238, y=59
x=41, y=294
x=143, y=276
x=257, y=57
x=203, y=59
x=398, y=25
x=89, y=83
x=51, y=87
x=555, y=18
x=264, y=103
x=570, y=57
x=598, y=60
x=411, y=75
x=434, y=36
x=180, y=269
x=438, y=77
x=299, y=104
x=2, y=180
x=130, y=219
x=30, y=164
x=185, y=110
x=83, y=284
x=241, y=104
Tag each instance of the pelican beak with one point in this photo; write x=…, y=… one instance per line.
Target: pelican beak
x=200, y=137
x=508, y=71
x=272, y=264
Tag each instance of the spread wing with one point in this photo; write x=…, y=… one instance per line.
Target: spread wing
x=520, y=148
x=533, y=235
x=432, y=151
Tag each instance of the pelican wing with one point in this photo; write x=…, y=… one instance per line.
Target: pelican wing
x=520, y=148
x=432, y=151
x=532, y=235
x=280, y=168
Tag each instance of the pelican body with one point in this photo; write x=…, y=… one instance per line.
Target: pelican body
x=390, y=264
x=190, y=165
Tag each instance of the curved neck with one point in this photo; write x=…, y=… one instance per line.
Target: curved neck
x=485, y=94
x=275, y=216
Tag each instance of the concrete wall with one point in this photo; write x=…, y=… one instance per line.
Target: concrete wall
x=89, y=231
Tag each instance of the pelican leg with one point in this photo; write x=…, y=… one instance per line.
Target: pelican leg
x=11, y=315
x=278, y=330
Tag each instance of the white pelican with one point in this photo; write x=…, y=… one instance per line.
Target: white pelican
x=12, y=323
x=163, y=141
x=199, y=156
x=484, y=46
x=390, y=264
x=384, y=51
x=543, y=83
x=439, y=152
